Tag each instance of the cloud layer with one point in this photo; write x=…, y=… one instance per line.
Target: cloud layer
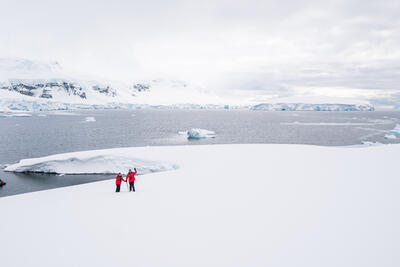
x=270, y=49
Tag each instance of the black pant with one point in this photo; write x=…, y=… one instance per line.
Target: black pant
x=118, y=188
x=132, y=186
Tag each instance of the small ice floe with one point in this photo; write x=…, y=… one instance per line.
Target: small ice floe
x=90, y=119
x=368, y=143
x=197, y=133
x=396, y=130
x=16, y=115
x=42, y=115
x=20, y=115
x=390, y=136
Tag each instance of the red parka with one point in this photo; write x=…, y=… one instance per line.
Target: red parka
x=118, y=179
x=131, y=176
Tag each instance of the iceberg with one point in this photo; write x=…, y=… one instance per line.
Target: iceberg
x=390, y=136
x=107, y=161
x=90, y=119
x=396, y=130
x=197, y=133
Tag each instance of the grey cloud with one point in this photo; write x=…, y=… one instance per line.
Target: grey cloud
x=259, y=46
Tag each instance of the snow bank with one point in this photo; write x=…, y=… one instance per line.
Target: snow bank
x=227, y=205
x=91, y=162
x=197, y=133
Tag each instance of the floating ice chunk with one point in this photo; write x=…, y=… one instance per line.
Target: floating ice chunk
x=197, y=133
x=91, y=162
x=368, y=143
x=390, y=136
x=396, y=129
x=16, y=115
x=21, y=115
x=90, y=119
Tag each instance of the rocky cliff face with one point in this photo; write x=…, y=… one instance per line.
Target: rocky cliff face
x=45, y=89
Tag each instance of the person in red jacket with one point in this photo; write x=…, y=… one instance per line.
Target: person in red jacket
x=118, y=181
x=2, y=183
x=130, y=177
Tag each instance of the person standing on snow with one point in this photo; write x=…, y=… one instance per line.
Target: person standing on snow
x=118, y=181
x=131, y=177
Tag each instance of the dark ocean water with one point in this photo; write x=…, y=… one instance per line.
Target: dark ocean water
x=61, y=132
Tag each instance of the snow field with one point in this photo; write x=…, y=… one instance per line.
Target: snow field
x=227, y=205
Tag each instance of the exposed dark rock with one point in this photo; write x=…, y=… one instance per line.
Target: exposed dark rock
x=141, y=87
x=105, y=90
x=30, y=89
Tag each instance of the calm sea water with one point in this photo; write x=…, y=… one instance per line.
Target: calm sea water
x=61, y=132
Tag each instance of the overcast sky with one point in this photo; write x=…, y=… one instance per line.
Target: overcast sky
x=348, y=48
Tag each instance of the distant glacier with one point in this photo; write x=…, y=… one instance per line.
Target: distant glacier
x=35, y=105
x=311, y=107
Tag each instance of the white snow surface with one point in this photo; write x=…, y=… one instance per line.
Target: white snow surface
x=197, y=133
x=227, y=205
x=92, y=162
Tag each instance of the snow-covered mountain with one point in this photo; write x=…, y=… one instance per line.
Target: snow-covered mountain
x=41, y=86
x=48, y=80
x=27, y=85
